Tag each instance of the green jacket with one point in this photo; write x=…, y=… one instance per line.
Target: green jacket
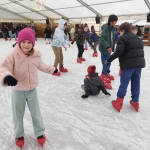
x=105, y=39
x=81, y=36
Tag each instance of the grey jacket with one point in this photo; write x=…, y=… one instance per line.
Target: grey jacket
x=93, y=84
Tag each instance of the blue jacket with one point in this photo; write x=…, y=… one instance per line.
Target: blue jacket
x=58, y=38
x=94, y=37
x=88, y=32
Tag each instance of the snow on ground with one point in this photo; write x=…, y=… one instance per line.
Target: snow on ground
x=73, y=123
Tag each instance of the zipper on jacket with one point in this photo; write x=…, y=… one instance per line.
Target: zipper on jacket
x=29, y=73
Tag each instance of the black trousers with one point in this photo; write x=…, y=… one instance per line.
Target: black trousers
x=80, y=50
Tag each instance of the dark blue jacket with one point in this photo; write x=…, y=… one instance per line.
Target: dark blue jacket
x=94, y=37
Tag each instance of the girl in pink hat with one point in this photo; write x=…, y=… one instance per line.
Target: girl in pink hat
x=19, y=70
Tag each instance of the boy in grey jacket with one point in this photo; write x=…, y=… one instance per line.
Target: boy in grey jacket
x=92, y=83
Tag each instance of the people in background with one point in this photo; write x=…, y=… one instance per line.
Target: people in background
x=94, y=38
x=80, y=38
x=72, y=31
x=47, y=32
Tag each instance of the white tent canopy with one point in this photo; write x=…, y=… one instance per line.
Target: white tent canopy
x=73, y=9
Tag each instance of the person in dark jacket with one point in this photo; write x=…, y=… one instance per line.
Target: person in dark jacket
x=139, y=31
x=106, y=45
x=13, y=34
x=5, y=30
x=47, y=32
x=131, y=57
x=92, y=83
x=94, y=38
x=80, y=38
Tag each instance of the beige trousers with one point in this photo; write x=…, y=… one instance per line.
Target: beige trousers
x=58, y=56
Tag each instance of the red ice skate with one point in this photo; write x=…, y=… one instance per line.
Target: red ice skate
x=62, y=69
x=41, y=140
x=56, y=74
x=79, y=60
x=108, y=76
x=117, y=104
x=135, y=105
x=19, y=142
x=95, y=54
x=104, y=79
x=83, y=59
x=108, y=86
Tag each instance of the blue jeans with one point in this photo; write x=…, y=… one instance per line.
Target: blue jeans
x=106, y=69
x=134, y=75
x=86, y=44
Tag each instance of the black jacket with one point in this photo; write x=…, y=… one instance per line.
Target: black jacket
x=47, y=32
x=93, y=84
x=130, y=52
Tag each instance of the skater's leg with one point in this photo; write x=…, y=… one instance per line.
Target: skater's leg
x=61, y=57
x=33, y=104
x=135, y=84
x=57, y=55
x=18, y=107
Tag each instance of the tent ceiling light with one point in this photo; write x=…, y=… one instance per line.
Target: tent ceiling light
x=38, y=4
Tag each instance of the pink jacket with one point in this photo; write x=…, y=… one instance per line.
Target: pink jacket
x=23, y=69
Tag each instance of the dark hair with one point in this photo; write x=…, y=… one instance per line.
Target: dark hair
x=125, y=26
x=112, y=18
x=65, y=24
x=85, y=26
x=92, y=27
x=93, y=30
x=134, y=28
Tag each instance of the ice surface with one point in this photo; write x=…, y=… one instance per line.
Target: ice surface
x=73, y=123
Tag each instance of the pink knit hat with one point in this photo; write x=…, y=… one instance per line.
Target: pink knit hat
x=26, y=34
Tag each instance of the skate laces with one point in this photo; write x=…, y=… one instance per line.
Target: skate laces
x=63, y=67
x=20, y=138
x=39, y=137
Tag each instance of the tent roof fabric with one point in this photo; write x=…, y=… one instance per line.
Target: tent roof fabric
x=71, y=9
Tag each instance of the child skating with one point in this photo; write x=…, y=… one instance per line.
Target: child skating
x=57, y=44
x=19, y=70
x=131, y=57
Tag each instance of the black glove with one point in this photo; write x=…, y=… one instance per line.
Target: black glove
x=14, y=44
x=10, y=81
x=56, y=70
x=84, y=96
x=106, y=63
x=72, y=42
x=107, y=94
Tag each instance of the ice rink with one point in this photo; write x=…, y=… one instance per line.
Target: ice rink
x=72, y=123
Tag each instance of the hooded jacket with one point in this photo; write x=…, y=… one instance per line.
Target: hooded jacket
x=93, y=84
x=23, y=68
x=58, y=38
x=106, y=39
